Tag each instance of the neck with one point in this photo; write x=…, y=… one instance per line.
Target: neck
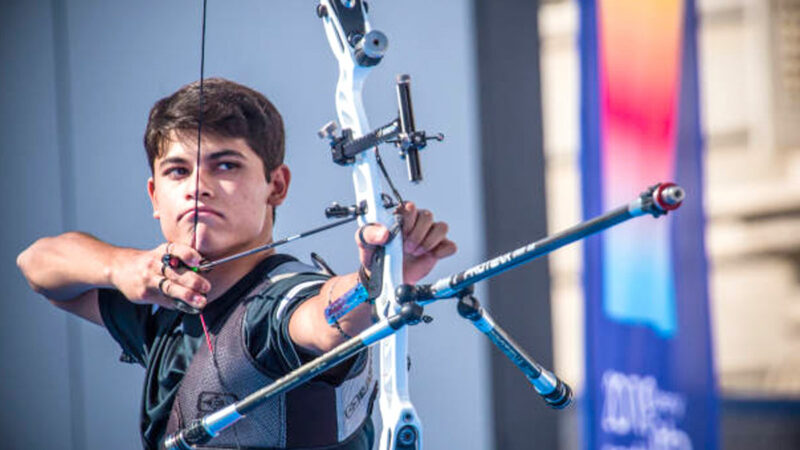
x=224, y=276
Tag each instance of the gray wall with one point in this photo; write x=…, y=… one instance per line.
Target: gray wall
x=512, y=151
x=76, y=81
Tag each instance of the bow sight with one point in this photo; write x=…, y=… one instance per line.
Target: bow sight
x=401, y=132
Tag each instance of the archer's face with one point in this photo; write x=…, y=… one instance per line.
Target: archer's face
x=235, y=201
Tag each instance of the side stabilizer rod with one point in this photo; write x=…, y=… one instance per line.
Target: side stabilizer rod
x=556, y=393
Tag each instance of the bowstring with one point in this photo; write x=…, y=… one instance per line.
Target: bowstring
x=198, y=162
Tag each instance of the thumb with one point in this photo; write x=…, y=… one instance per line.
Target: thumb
x=368, y=237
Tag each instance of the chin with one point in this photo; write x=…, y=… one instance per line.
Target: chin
x=212, y=249
x=216, y=243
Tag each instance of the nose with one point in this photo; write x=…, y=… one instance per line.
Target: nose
x=199, y=185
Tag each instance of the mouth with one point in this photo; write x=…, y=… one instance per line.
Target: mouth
x=202, y=211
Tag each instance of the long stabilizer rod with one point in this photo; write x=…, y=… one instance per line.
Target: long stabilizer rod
x=656, y=201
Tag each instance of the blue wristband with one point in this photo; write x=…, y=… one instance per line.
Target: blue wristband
x=344, y=304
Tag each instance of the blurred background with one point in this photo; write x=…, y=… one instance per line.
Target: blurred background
x=749, y=97
x=505, y=82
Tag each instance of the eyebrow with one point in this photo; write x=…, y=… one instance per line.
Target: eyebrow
x=213, y=156
x=225, y=153
x=172, y=160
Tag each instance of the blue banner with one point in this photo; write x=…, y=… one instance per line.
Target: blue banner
x=649, y=362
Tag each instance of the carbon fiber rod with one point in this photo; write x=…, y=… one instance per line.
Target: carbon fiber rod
x=656, y=201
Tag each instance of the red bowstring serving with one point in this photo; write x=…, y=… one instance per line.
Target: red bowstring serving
x=205, y=330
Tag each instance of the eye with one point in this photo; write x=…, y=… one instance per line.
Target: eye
x=176, y=172
x=228, y=165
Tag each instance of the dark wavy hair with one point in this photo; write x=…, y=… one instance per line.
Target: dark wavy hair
x=228, y=110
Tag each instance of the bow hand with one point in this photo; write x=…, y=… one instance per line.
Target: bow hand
x=425, y=241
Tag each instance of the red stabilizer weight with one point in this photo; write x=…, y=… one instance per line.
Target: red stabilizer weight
x=668, y=196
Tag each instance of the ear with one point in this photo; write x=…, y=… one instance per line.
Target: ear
x=151, y=191
x=280, y=178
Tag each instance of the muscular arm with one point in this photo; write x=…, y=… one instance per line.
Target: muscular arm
x=308, y=327
x=69, y=269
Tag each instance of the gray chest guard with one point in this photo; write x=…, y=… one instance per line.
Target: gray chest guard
x=314, y=416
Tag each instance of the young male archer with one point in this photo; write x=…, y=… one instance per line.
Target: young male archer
x=264, y=312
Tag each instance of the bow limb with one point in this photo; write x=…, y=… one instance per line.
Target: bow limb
x=350, y=37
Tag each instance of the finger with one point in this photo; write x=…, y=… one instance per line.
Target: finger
x=408, y=212
x=171, y=289
x=371, y=235
x=419, y=231
x=368, y=238
x=436, y=234
x=444, y=249
x=187, y=254
x=191, y=280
